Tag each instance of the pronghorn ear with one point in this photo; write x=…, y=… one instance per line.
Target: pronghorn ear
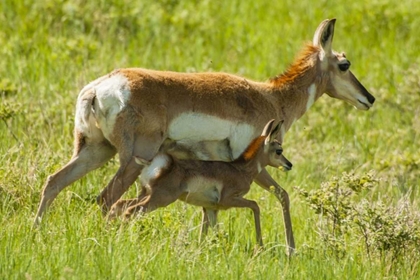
x=273, y=133
x=324, y=35
x=141, y=161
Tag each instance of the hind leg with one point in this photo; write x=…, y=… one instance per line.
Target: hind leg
x=88, y=157
x=161, y=196
x=119, y=184
x=209, y=218
x=129, y=170
x=165, y=190
x=119, y=207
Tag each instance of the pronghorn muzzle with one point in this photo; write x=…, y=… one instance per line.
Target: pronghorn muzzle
x=286, y=164
x=370, y=99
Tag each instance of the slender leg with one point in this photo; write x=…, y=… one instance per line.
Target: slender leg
x=128, y=146
x=160, y=197
x=212, y=217
x=125, y=177
x=209, y=217
x=265, y=181
x=204, y=224
x=241, y=202
x=128, y=173
x=88, y=158
x=119, y=207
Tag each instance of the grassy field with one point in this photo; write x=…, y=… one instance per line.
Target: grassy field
x=50, y=49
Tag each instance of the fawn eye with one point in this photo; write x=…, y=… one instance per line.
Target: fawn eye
x=344, y=66
x=279, y=151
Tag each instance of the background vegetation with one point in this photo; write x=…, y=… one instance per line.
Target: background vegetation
x=365, y=223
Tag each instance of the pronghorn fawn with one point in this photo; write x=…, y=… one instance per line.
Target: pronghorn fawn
x=214, y=185
x=204, y=116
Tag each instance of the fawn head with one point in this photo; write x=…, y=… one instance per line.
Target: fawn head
x=273, y=150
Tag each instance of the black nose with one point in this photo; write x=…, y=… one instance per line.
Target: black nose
x=364, y=91
x=370, y=98
x=288, y=166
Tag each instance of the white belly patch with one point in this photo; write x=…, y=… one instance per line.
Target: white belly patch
x=205, y=192
x=207, y=136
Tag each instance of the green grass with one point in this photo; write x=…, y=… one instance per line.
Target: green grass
x=50, y=49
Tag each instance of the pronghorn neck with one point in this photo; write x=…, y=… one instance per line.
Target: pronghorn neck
x=251, y=159
x=300, y=85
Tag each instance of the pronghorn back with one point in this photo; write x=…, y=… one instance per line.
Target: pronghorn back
x=198, y=111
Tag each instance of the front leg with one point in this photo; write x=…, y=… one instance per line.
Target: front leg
x=265, y=181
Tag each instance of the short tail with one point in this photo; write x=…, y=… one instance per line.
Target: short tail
x=87, y=103
x=84, y=110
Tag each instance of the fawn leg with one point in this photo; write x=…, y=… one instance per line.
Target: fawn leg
x=119, y=207
x=160, y=196
x=240, y=202
x=265, y=181
x=209, y=217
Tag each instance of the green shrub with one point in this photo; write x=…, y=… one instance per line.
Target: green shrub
x=346, y=220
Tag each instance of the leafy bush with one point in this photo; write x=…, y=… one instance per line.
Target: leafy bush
x=383, y=229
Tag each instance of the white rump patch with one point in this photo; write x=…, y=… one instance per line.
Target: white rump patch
x=311, y=96
x=159, y=163
x=112, y=95
x=191, y=128
x=84, y=119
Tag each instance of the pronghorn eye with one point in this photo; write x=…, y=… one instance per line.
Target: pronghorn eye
x=344, y=66
x=279, y=151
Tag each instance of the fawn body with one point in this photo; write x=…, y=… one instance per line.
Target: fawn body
x=214, y=185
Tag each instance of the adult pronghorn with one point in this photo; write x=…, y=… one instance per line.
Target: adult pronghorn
x=214, y=185
x=207, y=116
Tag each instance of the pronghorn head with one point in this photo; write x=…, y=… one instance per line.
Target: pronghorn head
x=342, y=84
x=273, y=150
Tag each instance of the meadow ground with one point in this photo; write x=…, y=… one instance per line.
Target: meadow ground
x=50, y=49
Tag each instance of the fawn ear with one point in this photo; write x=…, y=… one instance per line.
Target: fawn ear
x=274, y=132
x=324, y=35
x=267, y=128
x=141, y=161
